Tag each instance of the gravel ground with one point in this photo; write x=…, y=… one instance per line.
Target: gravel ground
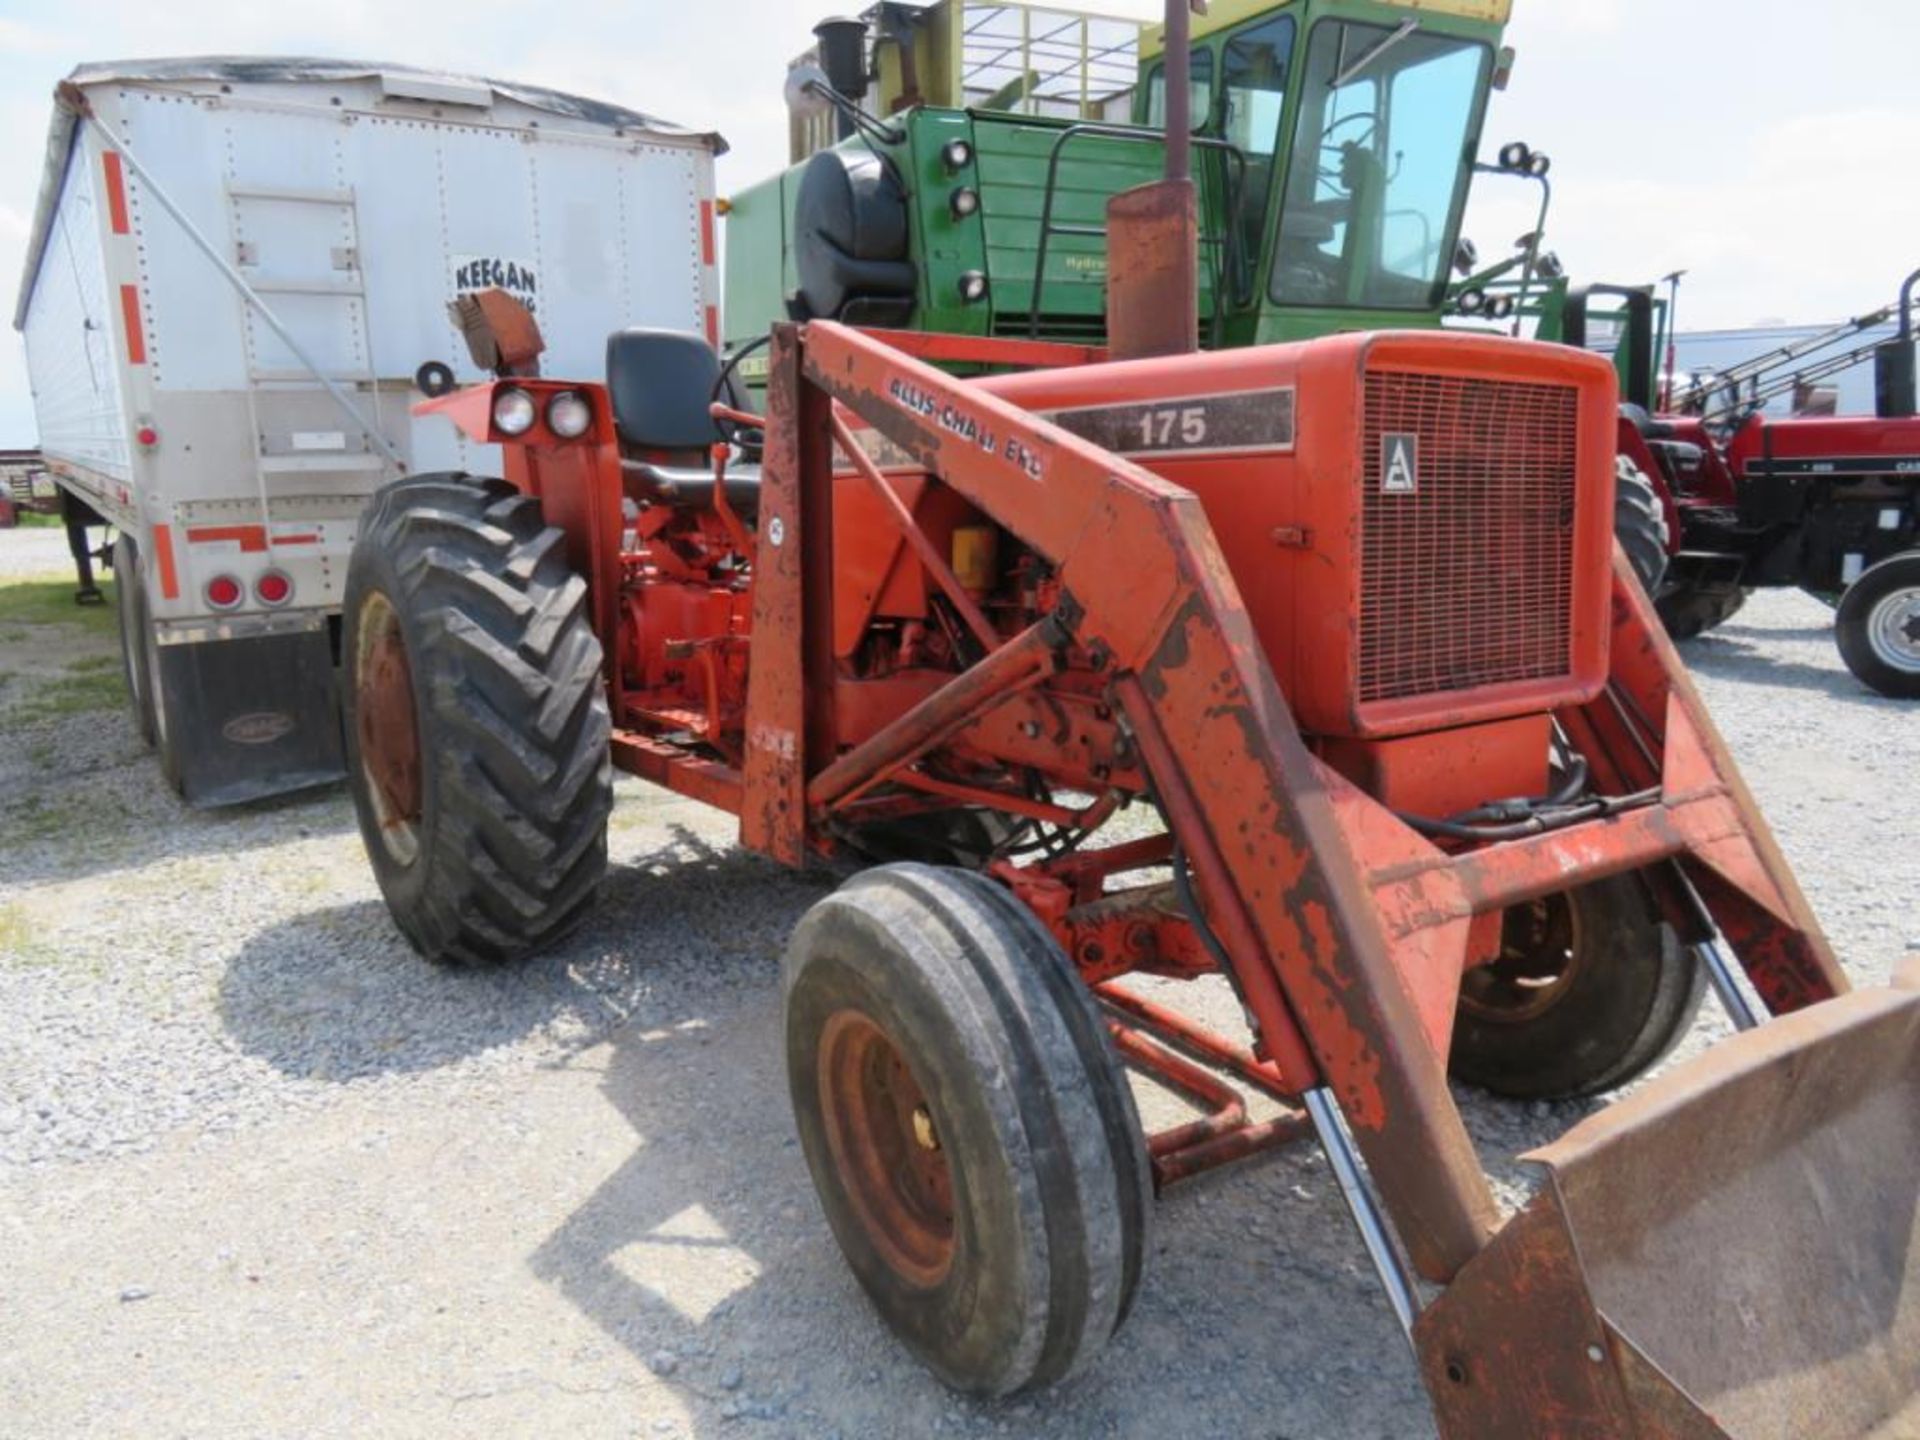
x=262, y=1172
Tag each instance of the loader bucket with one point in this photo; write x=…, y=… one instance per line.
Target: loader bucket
x=1729, y=1253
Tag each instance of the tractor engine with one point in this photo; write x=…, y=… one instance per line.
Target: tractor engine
x=1420, y=526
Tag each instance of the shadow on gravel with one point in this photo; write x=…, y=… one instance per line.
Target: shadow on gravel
x=1728, y=654
x=337, y=994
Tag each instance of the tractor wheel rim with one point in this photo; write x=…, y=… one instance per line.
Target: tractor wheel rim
x=1893, y=629
x=886, y=1148
x=1541, y=955
x=388, y=731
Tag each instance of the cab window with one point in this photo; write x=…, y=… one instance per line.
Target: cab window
x=1254, y=70
x=1201, y=82
x=1378, y=170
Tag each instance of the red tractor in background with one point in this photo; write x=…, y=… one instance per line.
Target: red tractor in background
x=1827, y=504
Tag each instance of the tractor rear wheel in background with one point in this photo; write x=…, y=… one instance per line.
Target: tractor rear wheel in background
x=476, y=719
x=969, y=1129
x=1591, y=990
x=1640, y=523
x=1690, y=610
x=1878, y=627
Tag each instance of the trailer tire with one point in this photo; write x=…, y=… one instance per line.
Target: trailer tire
x=1592, y=990
x=1877, y=626
x=476, y=721
x=1640, y=523
x=130, y=603
x=1689, y=611
x=970, y=1132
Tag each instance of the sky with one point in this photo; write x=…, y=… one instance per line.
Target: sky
x=1758, y=144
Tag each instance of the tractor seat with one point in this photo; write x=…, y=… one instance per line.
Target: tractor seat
x=1649, y=428
x=661, y=383
x=691, y=487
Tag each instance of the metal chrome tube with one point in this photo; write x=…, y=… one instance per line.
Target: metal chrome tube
x=1324, y=1111
x=1726, y=983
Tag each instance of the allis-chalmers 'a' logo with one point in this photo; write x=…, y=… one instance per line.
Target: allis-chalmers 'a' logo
x=1399, y=464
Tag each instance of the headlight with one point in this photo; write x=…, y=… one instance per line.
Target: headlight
x=1515, y=154
x=1471, y=302
x=956, y=154
x=963, y=202
x=513, y=411
x=569, y=415
x=973, y=287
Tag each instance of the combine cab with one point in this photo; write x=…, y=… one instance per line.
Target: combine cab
x=1420, y=822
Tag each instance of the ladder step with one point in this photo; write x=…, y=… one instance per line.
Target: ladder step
x=324, y=464
x=297, y=196
x=351, y=289
x=299, y=375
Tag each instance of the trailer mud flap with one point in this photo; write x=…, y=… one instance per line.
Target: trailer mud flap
x=252, y=717
x=1729, y=1253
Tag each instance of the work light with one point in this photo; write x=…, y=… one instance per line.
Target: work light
x=569, y=415
x=513, y=411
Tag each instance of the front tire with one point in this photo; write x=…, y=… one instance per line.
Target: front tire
x=476, y=719
x=969, y=1130
x=1590, y=991
x=1878, y=627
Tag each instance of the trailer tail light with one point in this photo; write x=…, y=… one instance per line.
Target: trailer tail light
x=1467, y=534
x=147, y=438
x=274, y=587
x=223, y=592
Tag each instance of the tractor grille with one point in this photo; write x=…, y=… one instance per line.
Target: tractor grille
x=1466, y=562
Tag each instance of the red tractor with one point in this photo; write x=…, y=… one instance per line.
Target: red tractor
x=1821, y=503
x=1313, y=667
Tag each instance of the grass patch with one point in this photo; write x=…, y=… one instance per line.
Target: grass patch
x=49, y=601
x=88, y=685
x=38, y=520
x=14, y=929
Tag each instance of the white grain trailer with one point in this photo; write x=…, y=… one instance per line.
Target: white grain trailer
x=235, y=271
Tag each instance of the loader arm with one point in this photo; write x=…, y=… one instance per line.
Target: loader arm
x=1150, y=590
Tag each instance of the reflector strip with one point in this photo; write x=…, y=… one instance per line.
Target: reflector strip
x=706, y=232
x=130, y=313
x=313, y=539
x=163, y=558
x=713, y=326
x=116, y=191
x=251, y=538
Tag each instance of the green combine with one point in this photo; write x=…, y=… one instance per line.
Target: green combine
x=953, y=163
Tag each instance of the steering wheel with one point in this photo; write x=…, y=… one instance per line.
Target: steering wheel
x=1332, y=174
x=743, y=437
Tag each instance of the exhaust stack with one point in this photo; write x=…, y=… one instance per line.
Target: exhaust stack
x=1153, y=237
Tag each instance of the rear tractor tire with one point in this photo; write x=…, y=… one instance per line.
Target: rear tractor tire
x=968, y=1127
x=1640, y=523
x=1591, y=990
x=476, y=721
x=1878, y=627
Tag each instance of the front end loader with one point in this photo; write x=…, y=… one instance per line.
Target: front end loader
x=1312, y=667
